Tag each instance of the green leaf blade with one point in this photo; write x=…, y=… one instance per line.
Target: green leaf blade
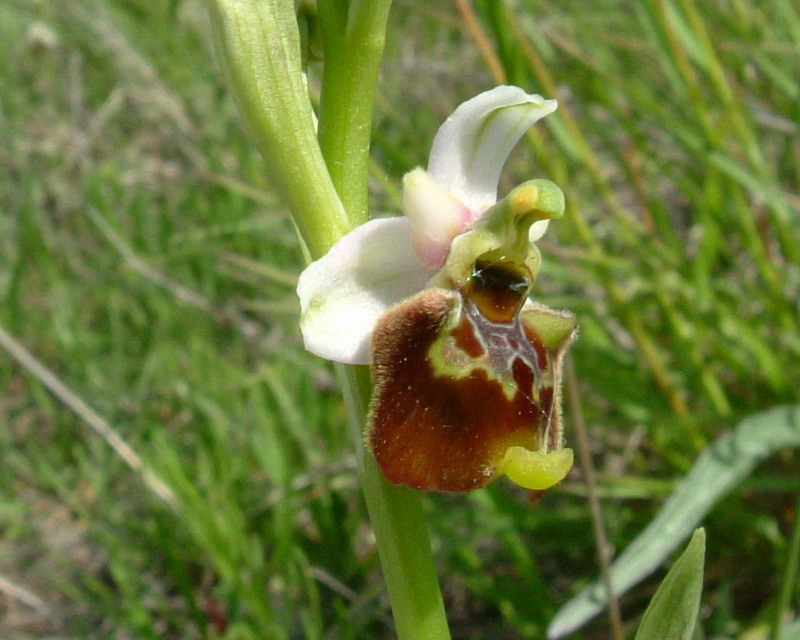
x=727, y=462
x=672, y=613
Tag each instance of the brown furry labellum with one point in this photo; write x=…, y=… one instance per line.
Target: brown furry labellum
x=461, y=377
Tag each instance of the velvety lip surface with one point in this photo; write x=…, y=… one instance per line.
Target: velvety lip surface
x=444, y=423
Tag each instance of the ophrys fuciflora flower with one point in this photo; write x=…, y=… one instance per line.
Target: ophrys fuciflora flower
x=466, y=368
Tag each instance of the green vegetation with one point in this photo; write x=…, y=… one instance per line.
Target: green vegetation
x=148, y=264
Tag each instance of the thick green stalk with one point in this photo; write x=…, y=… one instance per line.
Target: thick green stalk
x=325, y=186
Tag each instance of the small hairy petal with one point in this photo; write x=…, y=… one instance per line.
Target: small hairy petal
x=343, y=294
x=436, y=217
x=473, y=144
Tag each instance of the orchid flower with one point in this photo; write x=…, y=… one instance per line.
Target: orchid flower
x=466, y=368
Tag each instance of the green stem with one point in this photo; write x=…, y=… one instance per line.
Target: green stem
x=353, y=45
x=325, y=186
x=398, y=521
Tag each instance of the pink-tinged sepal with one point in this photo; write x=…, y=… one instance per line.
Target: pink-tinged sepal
x=436, y=217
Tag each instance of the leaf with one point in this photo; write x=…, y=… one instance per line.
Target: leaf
x=718, y=469
x=672, y=613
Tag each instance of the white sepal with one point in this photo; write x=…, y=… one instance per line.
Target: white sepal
x=473, y=144
x=344, y=293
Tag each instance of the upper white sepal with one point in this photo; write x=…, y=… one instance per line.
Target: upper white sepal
x=473, y=144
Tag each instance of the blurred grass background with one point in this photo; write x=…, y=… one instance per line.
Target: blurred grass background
x=144, y=260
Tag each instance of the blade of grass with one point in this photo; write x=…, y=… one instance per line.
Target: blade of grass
x=478, y=34
x=182, y=293
x=90, y=416
x=672, y=614
x=790, y=574
x=718, y=469
x=601, y=540
x=792, y=631
x=13, y=590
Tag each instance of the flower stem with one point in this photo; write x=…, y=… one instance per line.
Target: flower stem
x=353, y=39
x=353, y=46
x=325, y=186
x=399, y=525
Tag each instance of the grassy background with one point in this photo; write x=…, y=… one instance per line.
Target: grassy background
x=146, y=262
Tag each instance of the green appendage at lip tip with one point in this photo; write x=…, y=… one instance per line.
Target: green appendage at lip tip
x=536, y=470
